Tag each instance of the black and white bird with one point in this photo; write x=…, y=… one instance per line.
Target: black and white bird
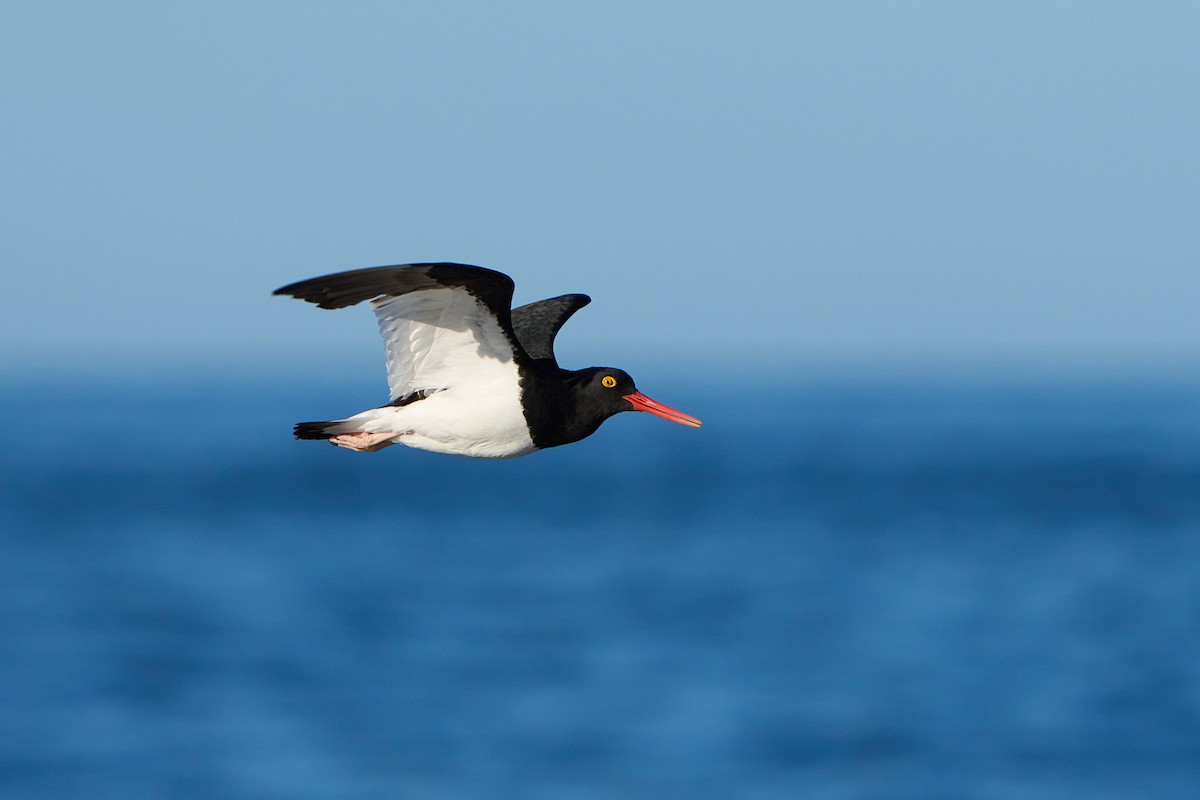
x=470, y=375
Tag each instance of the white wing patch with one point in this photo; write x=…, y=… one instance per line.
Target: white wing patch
x=441, y=338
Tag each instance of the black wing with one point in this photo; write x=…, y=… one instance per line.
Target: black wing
x=494, y=289
x=538, y=323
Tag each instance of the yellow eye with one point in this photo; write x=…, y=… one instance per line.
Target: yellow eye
x=608, y=381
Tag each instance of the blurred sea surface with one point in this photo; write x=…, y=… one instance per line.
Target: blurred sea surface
x=835, y=589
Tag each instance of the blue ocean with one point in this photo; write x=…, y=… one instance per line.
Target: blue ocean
x=839, y=587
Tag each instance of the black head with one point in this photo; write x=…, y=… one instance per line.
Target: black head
x=600, y=392
x=565, y=406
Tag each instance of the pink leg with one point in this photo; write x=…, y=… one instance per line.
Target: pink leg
x=362, y=441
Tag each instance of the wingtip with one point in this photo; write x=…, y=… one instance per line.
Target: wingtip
x=288, y=290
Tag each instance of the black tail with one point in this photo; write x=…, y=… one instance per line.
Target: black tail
x=314, y=430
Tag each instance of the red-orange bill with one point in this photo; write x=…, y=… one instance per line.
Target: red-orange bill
x=642, y=403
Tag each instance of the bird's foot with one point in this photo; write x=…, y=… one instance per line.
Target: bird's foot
x=363, y=441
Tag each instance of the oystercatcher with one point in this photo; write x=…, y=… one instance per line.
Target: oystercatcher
x=470, y=375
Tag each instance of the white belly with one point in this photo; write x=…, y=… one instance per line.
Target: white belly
x=492, y=449
x=480, y=426
x=475, y=423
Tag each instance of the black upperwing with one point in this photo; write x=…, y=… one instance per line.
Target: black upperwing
x=536, y=324
x=494, y=289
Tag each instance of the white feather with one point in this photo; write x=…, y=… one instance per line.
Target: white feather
x=448, y=344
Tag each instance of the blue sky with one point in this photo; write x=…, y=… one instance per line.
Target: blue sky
x=777, y=183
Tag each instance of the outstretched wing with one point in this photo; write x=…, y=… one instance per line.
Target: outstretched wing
x=536, y=324
x=443, y=324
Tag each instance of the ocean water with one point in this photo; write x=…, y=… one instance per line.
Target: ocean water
x=835, y=589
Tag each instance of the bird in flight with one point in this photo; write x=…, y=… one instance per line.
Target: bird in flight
x=470, y=375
